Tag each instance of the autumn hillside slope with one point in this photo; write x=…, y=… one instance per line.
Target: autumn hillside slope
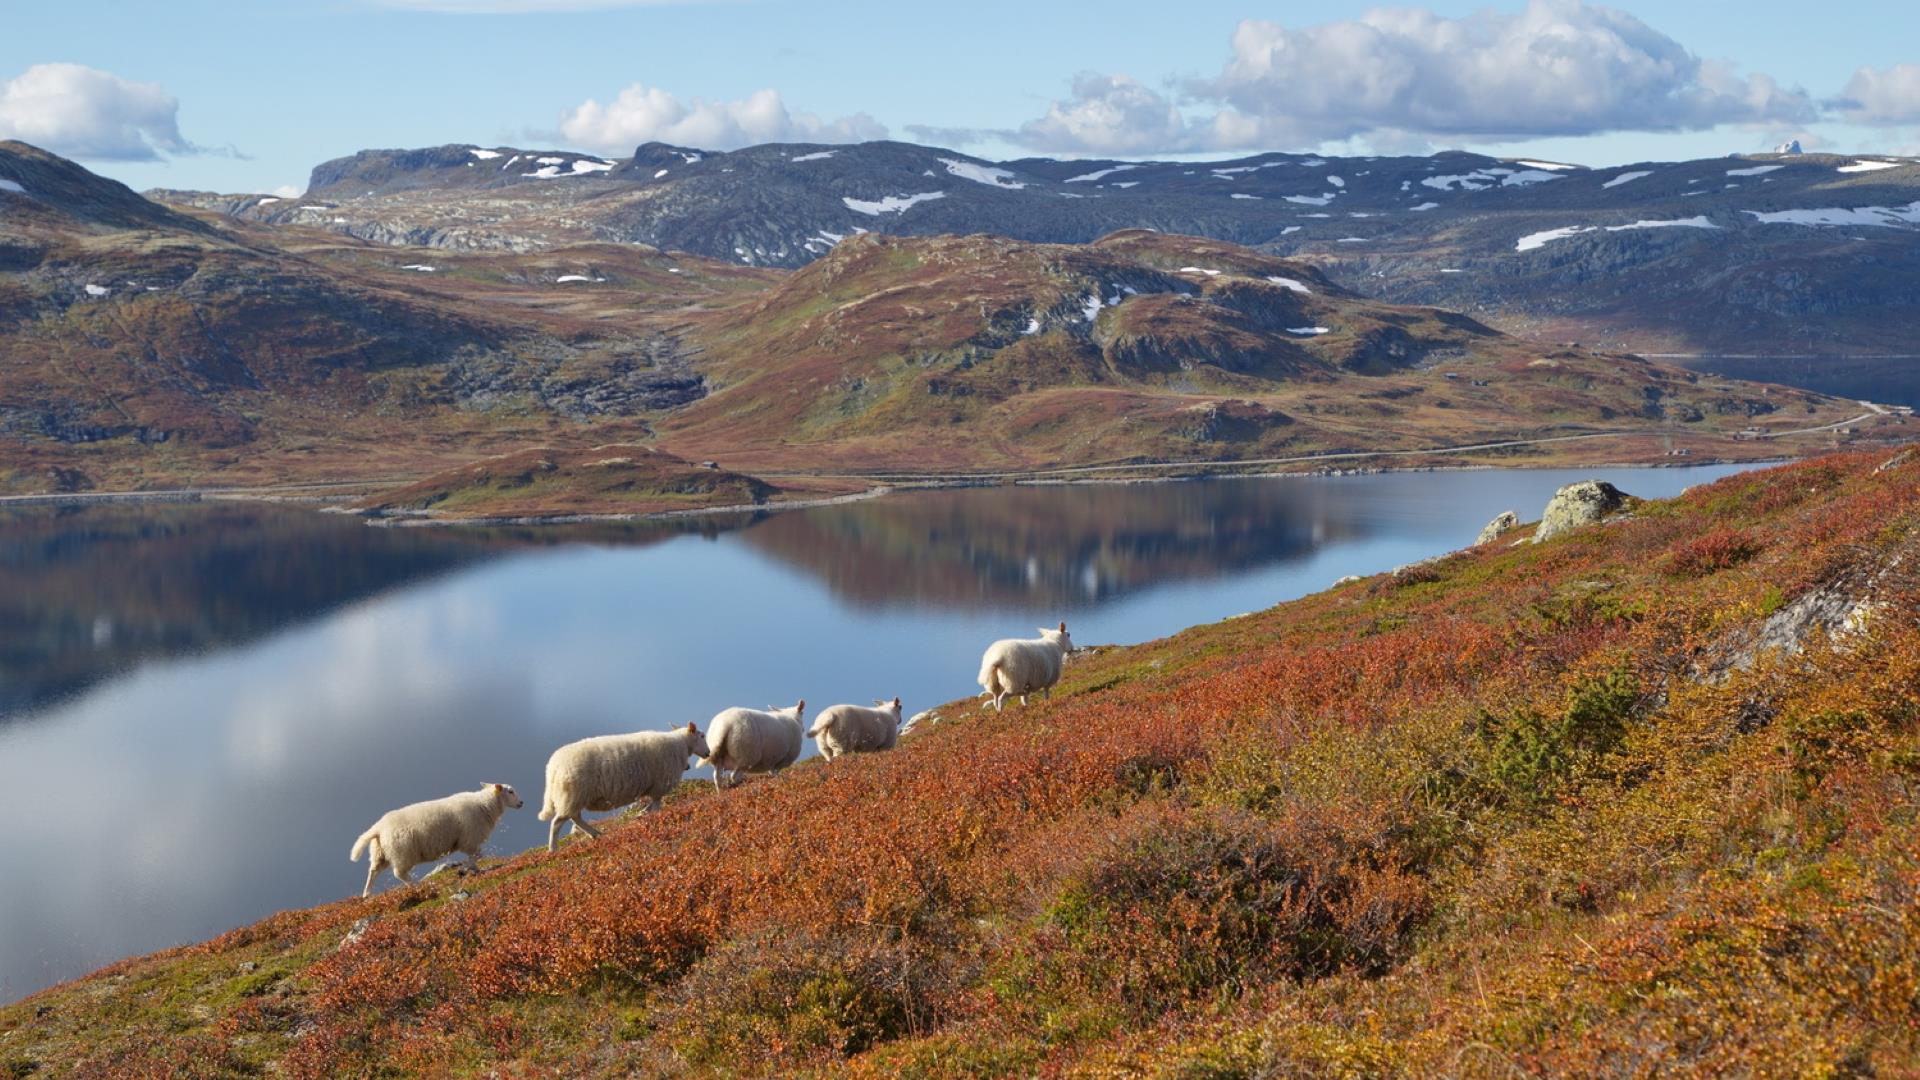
x=1636, y=801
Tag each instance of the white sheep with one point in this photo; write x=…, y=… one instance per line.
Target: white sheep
x=854, y=729
x=608, y=772
x=403, y=839
x=750, y=740
x=1024, y=665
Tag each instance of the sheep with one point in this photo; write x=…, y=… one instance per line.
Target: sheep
x=609, y=771
x=749, y=740
x=1024, y=665
x=852, y=729
x=403, y=839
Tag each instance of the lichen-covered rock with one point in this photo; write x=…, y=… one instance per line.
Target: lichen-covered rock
x=1578, y=504
x=1498, y=527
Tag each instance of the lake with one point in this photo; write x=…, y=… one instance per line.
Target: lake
x=201, y=706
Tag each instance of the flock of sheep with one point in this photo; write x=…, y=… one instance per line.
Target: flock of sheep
x=608, y=772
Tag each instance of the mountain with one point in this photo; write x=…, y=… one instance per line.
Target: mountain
x=1772, y=253
x=147, y=346
x=1636, y=800
x=945, y=354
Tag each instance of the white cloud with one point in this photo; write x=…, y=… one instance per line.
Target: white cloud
x=1882, y=95
x=644, y=114
x=1556, y=68
x=289, y=191
x=82, y=112
x=1109, y=114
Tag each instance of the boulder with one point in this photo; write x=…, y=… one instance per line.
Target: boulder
x=1578, y=504
x=1498, y=527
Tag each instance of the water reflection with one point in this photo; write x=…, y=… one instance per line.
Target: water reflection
x=1055, y=546
x=236, y=692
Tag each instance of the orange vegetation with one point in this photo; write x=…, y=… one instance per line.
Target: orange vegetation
x=1542, y=810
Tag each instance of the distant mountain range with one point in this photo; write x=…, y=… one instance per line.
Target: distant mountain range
x=221, y=341
x=1773, y=253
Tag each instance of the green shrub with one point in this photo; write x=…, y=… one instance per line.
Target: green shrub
x=1528, y=754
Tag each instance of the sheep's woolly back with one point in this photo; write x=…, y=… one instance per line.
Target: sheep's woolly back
x=1022, y=665
x=610, y=771
x=424, y=831
x=852, y=729
x=753, y=740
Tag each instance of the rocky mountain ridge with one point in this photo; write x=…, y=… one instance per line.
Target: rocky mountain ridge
x=1771, y=253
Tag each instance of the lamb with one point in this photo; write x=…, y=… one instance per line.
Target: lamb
x=1024, y=665
x=749, y=740
x=403, y=839
x=609, y=771
x=852, y=729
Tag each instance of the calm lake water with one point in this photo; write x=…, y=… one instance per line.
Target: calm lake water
x=202, y=706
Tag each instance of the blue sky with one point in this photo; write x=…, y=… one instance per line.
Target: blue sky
x=242, y=95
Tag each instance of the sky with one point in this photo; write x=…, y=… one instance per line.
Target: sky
x=248, y=95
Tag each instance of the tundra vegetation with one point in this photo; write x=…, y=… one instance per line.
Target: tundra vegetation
x=1640, y=799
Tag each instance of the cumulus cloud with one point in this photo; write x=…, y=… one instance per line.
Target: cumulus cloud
x=1555, y=68
x=1882, y=95
x=1110, y=114
x=647, y=113
x=83, y=112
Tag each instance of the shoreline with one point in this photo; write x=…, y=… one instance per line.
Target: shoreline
x=1038, y=478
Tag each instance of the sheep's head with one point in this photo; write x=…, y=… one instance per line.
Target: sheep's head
x=1059, y=637
x=506, y=794
x=697, y=743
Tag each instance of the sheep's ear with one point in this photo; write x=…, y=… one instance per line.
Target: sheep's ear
x=896, y=702
x=1063, y=626
x=691, y=730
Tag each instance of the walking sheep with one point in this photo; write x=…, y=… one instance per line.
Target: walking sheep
x=1024, y=665
x=609, y=771
x=749, y=740
x=403, y=839
x=853, y=729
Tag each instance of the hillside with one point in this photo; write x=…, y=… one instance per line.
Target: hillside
x=1637, y=799
x=1778, y=254
x=154, y=348
x=954, y=353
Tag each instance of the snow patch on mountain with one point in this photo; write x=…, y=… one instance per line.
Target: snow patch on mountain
x=1756, y=170
x=982, y=174
x=817, y=155
x=1086, y=178
x=1869, y=166
x=1627, y=178
x=1886, y=217
x=892, y=204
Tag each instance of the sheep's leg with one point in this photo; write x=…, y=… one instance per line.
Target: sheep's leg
x=553, y=833
x=373, y=868
x=473, y=862
x=405, y=876
x=1023, y=701
x=580, y=822
x=653, y=804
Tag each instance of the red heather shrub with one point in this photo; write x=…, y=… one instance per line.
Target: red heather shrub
x=1710, y=553
x=1183, y=904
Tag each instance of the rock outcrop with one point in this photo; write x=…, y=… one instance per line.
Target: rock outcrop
x=1498, y=527
x=1577, y=504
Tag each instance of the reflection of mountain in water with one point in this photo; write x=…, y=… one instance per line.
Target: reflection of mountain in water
x=1069, y=546
x=87, y=592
